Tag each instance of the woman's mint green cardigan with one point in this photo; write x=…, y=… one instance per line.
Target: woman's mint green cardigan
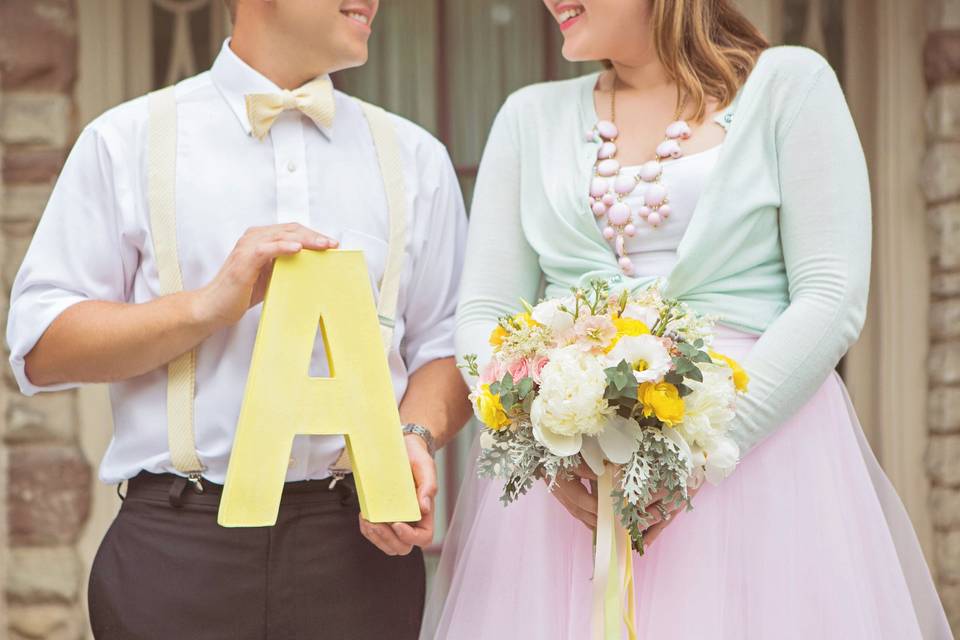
x=779, y=243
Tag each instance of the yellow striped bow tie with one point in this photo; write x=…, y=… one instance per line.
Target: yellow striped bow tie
x=314, y=100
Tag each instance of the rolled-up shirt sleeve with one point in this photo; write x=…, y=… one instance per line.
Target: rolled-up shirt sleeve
x=75, y=254
x=437, y=267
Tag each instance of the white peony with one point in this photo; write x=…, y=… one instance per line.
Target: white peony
x=645, y=353
x=570, y=402
x=711, y=404
x=705, y=427
x=548, y=313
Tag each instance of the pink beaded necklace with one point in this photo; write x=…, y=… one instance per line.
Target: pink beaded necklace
x=609, y=187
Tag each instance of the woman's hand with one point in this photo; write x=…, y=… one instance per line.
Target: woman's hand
x=582, y=504
x=575, y=498
x=660, y=514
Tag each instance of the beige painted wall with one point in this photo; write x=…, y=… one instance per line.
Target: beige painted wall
x=886, y=370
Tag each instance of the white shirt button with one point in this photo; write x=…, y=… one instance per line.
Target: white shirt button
x=291, y=166
x=293, y=461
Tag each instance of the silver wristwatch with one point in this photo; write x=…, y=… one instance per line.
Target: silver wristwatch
x=424, y=433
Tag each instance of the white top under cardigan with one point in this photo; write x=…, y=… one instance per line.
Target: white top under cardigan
x=94, y=243
x=653, y=250
x=778, y=244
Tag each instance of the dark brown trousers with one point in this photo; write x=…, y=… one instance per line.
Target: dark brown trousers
x=166, y=572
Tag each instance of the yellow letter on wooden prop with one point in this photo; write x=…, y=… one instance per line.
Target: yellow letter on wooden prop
x=281, y=400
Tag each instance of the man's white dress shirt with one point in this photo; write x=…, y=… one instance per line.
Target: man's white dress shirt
x=94, y=243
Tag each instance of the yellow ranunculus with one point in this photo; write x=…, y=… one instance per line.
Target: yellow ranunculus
x=627, y=327
x=490, y=410
x=663, y=400
x=740, y=377
x=497, y=336
x=499, y=333
x=525, y=318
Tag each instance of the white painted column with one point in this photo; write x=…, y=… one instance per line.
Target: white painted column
x=886, y=370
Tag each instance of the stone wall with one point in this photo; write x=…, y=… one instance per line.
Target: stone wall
x=47, y=480
x=941, y=188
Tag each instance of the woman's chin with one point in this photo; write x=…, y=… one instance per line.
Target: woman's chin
x=571, y=52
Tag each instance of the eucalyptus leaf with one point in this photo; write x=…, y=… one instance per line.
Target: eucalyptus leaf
x=695, y=374
x=528, y=402
x=673, y=378
x=525, y=386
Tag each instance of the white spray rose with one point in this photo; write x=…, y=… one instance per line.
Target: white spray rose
x=548, y=313
x=646, y=314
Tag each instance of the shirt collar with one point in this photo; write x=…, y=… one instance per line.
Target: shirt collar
x=235, y=79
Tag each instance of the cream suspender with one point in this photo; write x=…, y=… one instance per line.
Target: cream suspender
x=161, y=197
x=391, y=170
x=161, y=168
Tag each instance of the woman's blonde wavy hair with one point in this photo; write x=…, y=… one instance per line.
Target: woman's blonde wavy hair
x=708, y=48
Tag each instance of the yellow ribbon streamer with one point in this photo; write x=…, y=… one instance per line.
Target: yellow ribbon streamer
x=612, y=570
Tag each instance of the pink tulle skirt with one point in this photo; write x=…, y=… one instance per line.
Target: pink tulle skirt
x=806, y=539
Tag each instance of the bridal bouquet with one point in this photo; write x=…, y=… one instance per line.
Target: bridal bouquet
x=626, y=379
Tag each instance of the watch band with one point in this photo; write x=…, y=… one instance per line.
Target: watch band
x=424, y=433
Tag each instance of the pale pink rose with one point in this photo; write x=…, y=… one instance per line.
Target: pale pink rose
x=493, y=372
x=519, y=369
x=536, y=368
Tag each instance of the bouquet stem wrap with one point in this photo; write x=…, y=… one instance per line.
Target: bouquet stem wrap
x=613, y=596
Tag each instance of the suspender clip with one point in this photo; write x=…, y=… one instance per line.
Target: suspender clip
x=338, y=475
x=195, y=480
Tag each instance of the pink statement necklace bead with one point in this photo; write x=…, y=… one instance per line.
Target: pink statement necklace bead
x=610, y=187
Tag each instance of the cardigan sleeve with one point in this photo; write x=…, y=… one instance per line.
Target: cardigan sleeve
x=825, y=232
x=500, y=266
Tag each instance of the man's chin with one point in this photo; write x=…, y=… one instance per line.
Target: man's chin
x=353, y=61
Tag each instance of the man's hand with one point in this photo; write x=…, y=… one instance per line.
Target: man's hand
x=242, y=280
x=399, y=538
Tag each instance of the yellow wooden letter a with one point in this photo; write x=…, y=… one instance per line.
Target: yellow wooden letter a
x=282, y=400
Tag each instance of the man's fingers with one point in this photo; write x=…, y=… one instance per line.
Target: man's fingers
x=420, y=534
x=384, y=538
x=309, y=239
x=267, y=251
x=290, y=230
x=425, y=477
x=375, y=538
